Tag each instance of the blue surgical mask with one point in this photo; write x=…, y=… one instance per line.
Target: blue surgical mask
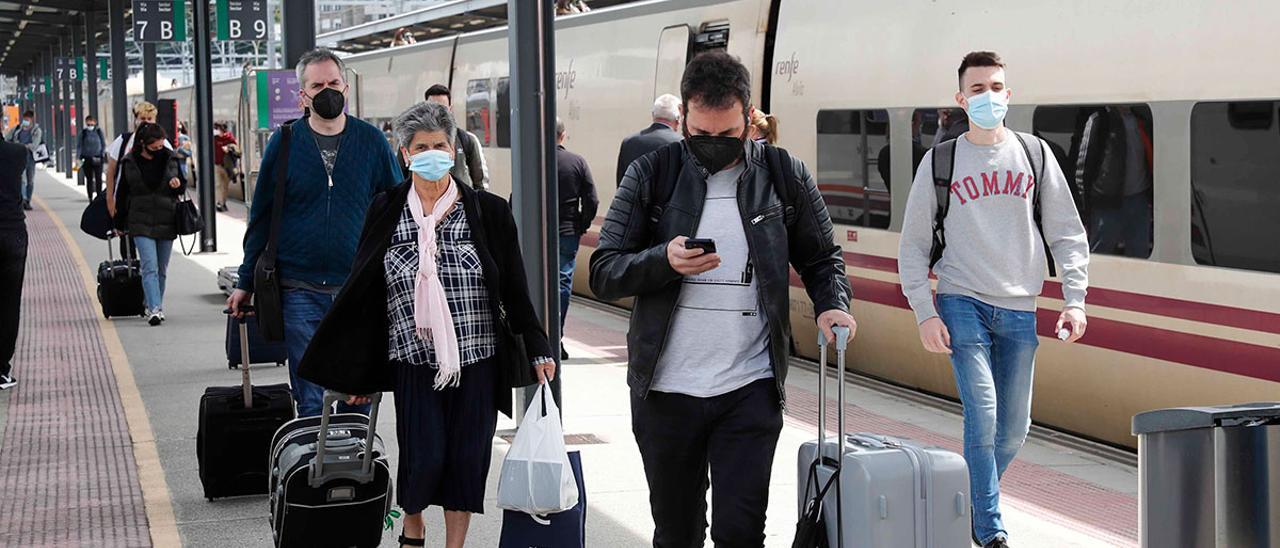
x=431, y=165
x=987, y=109
x=26, y=123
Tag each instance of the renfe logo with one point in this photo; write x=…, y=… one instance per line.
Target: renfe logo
x=566, y=79
x=789, y=67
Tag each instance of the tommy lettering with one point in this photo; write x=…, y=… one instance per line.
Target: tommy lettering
x=972, y=188
x=1011, y=185
x=955, y=189
x=992, y=185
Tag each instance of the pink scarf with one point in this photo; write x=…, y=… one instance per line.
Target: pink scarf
x=431, y=313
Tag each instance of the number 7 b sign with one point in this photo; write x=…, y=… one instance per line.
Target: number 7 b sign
x=159, y=20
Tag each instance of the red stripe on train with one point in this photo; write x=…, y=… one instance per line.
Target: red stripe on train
x=1238, y=358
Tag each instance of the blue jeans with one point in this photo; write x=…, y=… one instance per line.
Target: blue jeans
x=154, y=256
x=303, y=309
x=1129, y=224
x=568, y=260
x=29, y=189
x=993, y=353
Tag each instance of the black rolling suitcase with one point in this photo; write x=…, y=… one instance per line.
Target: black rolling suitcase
x=120, y=285
x=330, y=481
x=260, y=350
x=233, y=444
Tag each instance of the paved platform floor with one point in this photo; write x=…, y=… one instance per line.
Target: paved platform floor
x=98, y=444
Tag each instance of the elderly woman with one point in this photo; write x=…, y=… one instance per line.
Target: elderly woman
x=436, y=310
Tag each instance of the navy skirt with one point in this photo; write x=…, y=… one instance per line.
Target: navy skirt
x=445, y=436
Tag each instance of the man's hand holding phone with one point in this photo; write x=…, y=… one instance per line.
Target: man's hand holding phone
x=691, y=257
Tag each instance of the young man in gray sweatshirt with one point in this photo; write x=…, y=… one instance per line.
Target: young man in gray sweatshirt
x=990, y=272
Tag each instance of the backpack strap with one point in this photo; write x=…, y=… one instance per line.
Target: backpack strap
x=668, y=162
x=944, y=165
x=281, y=174
x=784, y=180
x=1036, y=156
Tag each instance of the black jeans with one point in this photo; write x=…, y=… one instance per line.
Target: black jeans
x=13, y=266
x=92, y=170
x=732, y=437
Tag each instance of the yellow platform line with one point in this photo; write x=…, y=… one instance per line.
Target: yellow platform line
x=155, y=490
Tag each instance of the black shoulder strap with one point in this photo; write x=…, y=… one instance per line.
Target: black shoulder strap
x=784, y=180
x=1035, y=155
x=668, y=161
x=944, y=165
x=281, y=174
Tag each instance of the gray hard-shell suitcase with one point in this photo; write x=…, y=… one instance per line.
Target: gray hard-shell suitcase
x=891, y=492
x=330, y=481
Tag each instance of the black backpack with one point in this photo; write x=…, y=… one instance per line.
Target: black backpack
x=669, y=161
x=944, y=165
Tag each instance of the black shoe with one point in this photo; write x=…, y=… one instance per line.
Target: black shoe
x=154, y=319
x=564, y=354
x=7, y=381
x=998, y=542
x=27, y=206
x=406, y=541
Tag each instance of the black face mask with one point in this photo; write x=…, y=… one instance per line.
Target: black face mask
x=328, y=103
x=715, y=152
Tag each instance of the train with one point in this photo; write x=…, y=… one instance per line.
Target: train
x=859, y=87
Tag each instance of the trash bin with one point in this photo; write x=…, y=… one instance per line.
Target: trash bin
x=1209, y=477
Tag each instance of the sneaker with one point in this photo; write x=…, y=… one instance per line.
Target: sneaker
x=7, y=381
x=27, y=206
x=564, y=354
x=161, y=314
x=154, y=319
x=998, y=542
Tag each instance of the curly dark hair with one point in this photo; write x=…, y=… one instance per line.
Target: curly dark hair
x=715, y=79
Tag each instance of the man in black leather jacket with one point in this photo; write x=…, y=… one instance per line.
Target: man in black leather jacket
x=710, y=327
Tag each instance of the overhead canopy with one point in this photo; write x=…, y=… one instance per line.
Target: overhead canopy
x=29, y=28
x=457, y=17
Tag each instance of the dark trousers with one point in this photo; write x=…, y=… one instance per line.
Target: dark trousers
x=731, y=438
x=91, y=169
x=13, y=266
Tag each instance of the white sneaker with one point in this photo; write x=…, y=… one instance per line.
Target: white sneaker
x=161, y=314
x=7, y=381
x=154, y=319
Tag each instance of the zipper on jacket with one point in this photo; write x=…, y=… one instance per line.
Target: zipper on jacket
x=751, y=255
x=671, y=318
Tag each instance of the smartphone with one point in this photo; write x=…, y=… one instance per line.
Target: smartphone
x=707, y=245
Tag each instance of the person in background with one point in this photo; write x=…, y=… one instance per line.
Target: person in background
x=222, y=141
x=470, y=167
x=436, y=266
x=403, y=37
x=764, y=128
x=143, y=113
x=566, y=7
x=13, y=253
x=184, y=152
x=28, y=133
x=1114, y=170
x=663, y=130
x=578, y=204
x=152, y=177
x=952, y=123
x=337, y=163
x=90, y=148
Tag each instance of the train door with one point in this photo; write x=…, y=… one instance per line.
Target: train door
x=673, y=53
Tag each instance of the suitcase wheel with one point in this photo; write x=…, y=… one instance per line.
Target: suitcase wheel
x=232, y=366
x=279, y=364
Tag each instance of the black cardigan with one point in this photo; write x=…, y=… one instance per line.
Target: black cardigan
x=349, y=350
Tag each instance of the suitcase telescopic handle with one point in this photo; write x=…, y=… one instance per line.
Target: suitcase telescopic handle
x=365, y=472
x=842, y=334
x=245, y=383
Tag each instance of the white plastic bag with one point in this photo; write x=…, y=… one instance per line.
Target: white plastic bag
x=537, y=478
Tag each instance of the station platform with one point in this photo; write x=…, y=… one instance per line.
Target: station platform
x=98, y=444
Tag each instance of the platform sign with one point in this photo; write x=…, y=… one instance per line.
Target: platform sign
x=68, y=69
x=159, y=20
x=47, y=85
x=242, y=20
x=277, y=98
x=104, y=67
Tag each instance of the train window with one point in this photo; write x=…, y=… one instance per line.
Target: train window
x=853, y=165
x=1107, y=153
x=478, y=110
x=504, y=113
x=1235, y=184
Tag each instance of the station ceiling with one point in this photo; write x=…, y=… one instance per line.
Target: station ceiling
x=30, y=28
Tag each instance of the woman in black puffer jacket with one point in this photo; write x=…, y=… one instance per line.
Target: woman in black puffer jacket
x=152, y=183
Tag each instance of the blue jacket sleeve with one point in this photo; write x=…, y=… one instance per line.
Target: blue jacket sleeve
x=259, y=229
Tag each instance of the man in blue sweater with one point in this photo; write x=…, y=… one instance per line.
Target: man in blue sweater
x=336, y=164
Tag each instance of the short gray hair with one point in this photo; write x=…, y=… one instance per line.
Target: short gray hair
x=426, y=116
x=666, y=107
x=319, y=55
x=559, y=127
